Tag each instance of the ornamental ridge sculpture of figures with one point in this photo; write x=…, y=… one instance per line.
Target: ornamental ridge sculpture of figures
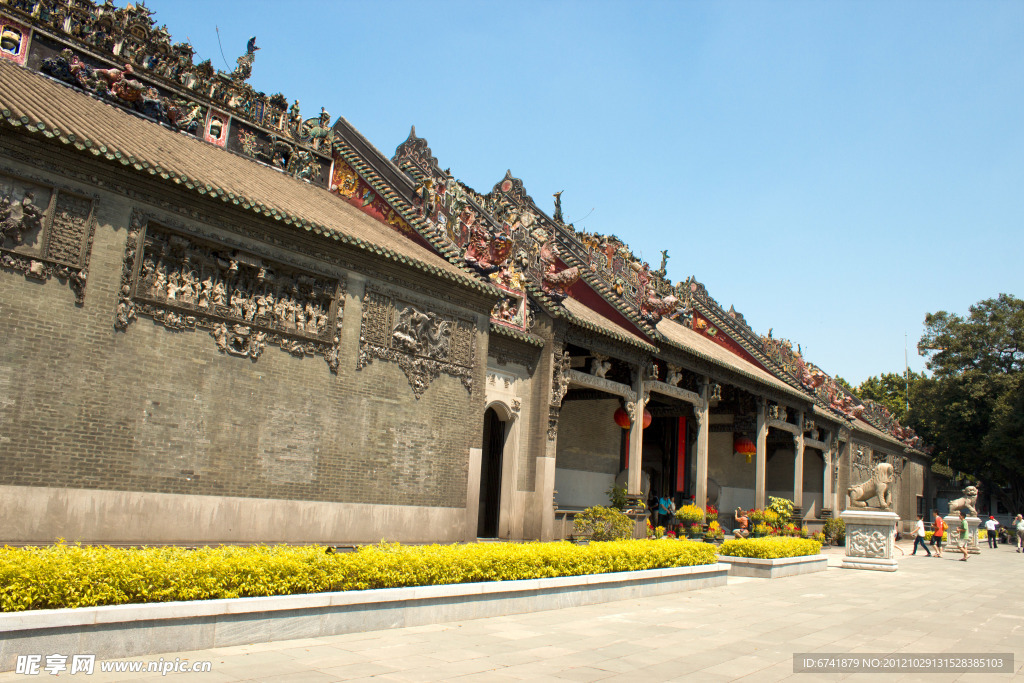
x=244, y=68
x=878, y=486
x=556, y=283
x=486, y=251
x=142, y=70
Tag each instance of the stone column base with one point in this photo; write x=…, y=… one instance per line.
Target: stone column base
x=873, y=563
x=953, y=527
x=870, y=540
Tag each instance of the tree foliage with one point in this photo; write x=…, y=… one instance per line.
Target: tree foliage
x=889, y=389
x=972, y=408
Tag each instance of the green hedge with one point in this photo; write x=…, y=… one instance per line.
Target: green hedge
x=62, y=575
x=770, y=548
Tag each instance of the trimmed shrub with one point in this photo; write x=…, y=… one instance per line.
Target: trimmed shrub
x=603, y=524
x=769, y=548
x=60, y=576
x=835, y=530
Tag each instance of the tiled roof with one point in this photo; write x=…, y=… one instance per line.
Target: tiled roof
x=686, y=339
x=592, y=320
x=861, y=425
x=831, y=414
x=47, y=109
x=505, y=331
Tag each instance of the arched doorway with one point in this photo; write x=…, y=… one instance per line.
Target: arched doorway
x=490, y=475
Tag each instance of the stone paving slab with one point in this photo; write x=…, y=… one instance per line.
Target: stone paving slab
x=747, y=630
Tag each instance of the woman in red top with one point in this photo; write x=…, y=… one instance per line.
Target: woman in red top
x=938, y=529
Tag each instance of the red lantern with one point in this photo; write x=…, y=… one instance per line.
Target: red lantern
x=647, y=418
x=622, y=418
x=744, y=446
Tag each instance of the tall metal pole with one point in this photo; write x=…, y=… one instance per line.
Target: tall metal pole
x=906, y=373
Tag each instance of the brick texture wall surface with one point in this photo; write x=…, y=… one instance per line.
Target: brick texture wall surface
x=149, y=409
x=588, y=438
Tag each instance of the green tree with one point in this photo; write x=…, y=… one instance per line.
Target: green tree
x=889, y=389
x=972, y=408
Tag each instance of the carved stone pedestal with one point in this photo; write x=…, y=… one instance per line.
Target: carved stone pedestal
x=952, y=539
x=870, y=540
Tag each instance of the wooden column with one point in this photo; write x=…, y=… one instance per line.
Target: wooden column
x=798, y=462
x=701, y=412
x=762, y=454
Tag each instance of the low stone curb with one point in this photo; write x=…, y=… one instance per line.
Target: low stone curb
x=774, y=568
x=134, y=630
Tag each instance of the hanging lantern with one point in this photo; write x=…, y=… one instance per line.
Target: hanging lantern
x=622, y=418
x=647, y=418
x=744, y=446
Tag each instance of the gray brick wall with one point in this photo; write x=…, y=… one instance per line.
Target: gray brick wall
x=149, y=409
x=588, y=438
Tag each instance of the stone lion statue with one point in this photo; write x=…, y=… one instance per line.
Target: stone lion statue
x=967, y=502
x=876, y=486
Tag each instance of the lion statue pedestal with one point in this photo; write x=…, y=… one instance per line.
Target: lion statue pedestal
x=952, y=540
x=871, y=529
x=870, y=540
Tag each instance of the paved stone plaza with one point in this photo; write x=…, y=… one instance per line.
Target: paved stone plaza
x=746, y=631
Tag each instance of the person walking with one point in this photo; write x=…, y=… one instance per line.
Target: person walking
x=993, y=536
x=963, y=536
x=919, y=537
x=938, y=531
x=1018, y=526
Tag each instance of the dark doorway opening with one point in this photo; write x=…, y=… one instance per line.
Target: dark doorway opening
x=490, y=475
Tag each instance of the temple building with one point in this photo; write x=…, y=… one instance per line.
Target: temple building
x=227, y=321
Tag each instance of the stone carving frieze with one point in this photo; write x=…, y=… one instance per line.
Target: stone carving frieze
x=866, y=541
x=244, y=301
x=553, y=422
x=248, y=235
x=602, y=384
x=46, y=232
x=423, y=340
x=676, y=392
x=560, y=377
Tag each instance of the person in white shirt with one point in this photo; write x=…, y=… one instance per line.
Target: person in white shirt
x=993, y=537
x=919, y=537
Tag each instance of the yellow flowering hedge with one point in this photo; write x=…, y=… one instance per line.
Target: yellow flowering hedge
x=61, y=575
x=770, y=548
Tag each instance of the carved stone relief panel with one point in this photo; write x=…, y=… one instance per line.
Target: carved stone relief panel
x=860, y=461
x=243, y=300
x=424, y=340
x=867, y=541
x=45, y=232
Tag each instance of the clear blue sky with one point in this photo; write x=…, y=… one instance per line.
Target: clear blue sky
x=835, y=170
